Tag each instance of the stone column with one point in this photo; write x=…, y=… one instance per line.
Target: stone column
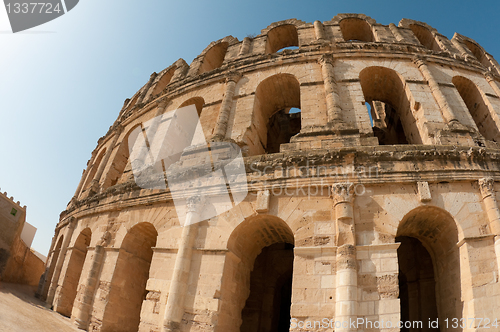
x=460, y=48
x=60, y=260
x=346, y=274
x=84, y=301
x=395, y=32
x=245, y=46
x=319, y=30
x=225, y=108
x=493, y=82
x=94, y=186
x=174, y=310
x=486, y=185
x=448, y=113
x=334, y=110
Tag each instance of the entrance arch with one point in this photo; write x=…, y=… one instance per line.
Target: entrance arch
x=256, y=285
x=429, y=267
x=69, y=287
x=128, y=285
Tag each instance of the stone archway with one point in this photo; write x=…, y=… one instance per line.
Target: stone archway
x=256, y=284
x=69, y=286
x=128, y=285
x=429, y=267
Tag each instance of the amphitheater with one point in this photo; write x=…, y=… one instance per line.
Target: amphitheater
x=369, y=191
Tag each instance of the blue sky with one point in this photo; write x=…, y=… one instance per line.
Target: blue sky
x=63, y=83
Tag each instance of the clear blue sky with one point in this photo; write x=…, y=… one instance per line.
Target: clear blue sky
x=63, y=83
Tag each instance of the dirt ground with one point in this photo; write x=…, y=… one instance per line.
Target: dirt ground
x=20, y=311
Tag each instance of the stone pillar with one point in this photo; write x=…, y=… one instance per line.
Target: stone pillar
x=60, y=260
x=346, y=274
x=319, y=30
x=334, y=110
x=174, y=310
x=448, y=113
x=460, y=48
x=395, y=32
x=225, y=108
x=245, y=46
x=94, y=186
x=486, y=185
x=493, y=83
x=84, y=301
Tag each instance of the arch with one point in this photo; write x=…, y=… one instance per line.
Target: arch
x=275, y=96
x=120, y=161
x=73, y=272
x=280, y=37
x=425, y=37
x=164, y=81
x=437, y=233
x=253, y=245
x=478, y=109
x=478, y=53
x=198, y=102
x=93, y=169
x=133, y=101
x=53, y=262
x=128, y=284
x=214, y=57
x=356, y=29
x=396, y=123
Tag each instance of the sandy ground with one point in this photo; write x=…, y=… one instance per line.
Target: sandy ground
x=20, y=311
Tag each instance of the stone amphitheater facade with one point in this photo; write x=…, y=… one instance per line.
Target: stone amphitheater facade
x=372, y=167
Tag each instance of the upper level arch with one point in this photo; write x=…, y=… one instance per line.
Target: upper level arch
x=164, y=80
x=120, y=159
x=277, y=93
x=397, y=123
x=425, y=37
x=214, y=57
x=280, y=37
x=356, y=29
x=478, y=108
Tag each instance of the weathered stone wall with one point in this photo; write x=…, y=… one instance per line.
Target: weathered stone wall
x=344, y=192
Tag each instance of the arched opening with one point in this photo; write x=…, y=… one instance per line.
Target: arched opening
x=53, y=262
x=477, y=107
x=429, y=265
x=163, y=82
x=267, y=308
x=118, y=170
x=214, y=57
x=198, y=102
x=274, y=124
x=393, y=121
x=283, y=36
x=128, y=285
x=425, y=37
x=356, y=29
x=73, y=273
x=417, y=285
x=478, y=53
x=282, y=126
x=257, y=279
x=133, y=101
x=93, y=170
